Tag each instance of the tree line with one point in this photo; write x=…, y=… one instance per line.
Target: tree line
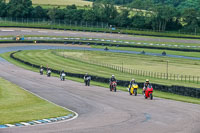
x=159, y=15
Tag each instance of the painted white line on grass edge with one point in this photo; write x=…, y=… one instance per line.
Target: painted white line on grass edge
x=39, y=123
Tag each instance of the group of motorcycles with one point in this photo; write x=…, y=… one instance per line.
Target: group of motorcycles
x=62, y=75
x=133, y=90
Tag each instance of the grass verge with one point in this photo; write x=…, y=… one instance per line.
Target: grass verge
x=18, y=105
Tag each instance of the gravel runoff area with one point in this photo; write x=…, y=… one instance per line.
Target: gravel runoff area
x=101, y=110
x=39, y=32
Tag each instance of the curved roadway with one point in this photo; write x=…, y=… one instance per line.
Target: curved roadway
x=29, y=31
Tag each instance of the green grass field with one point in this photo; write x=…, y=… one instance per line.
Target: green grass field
x=139, y=62
x=60, y=2
x=18, y=105
x=44, y=57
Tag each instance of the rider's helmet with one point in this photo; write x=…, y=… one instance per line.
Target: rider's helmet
x=147, y=81
x=86, y=74
x=133, y=80
x=113, y=76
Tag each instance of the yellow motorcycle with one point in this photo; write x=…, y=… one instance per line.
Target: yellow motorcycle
x=133, y=89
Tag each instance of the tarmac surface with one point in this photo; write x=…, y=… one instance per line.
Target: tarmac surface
x=46, y=32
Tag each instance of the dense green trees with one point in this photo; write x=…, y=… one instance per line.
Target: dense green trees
x=159, y=15
x=19, y=8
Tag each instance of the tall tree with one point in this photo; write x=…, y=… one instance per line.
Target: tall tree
x=161, y=15
x=3, y=10
x=20, y=8
x=191, y=19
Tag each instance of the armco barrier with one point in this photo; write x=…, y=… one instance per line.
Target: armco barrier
x=180, y=90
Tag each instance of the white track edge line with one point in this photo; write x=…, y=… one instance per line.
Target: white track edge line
x=76, y=114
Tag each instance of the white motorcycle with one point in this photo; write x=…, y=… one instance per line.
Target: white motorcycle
x=49, y=73
x=62, y=77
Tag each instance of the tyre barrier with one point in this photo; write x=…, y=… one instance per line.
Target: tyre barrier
x=180, y=90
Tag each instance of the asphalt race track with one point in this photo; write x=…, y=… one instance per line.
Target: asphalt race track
x=43, y=32
x=102, y=111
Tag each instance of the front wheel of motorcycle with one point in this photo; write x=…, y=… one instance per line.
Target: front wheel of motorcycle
x=135, y=92
x=151, y=96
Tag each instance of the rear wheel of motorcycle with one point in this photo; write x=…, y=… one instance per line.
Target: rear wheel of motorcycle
x=115, y=89
x=135, y=92
x=151, y=96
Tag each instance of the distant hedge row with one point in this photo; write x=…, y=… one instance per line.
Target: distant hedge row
x=180, y=90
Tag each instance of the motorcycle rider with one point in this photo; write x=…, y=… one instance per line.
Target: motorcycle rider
x=41, y=70
x=86, y=79
x=62, y=74
x=146, y=84
x=131, y=83
x=112, y=79
x=48, y=72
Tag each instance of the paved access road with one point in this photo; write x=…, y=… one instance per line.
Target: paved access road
x=28, y=31
x=102, y=111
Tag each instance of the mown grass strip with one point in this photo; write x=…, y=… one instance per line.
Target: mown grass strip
x=18, y=105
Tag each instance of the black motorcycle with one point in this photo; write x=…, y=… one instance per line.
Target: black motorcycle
x=87, y=81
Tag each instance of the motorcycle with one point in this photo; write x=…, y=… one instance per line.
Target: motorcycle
x=148, y=93
x=49, y=73
x=41, y=71
x=87, y=81
x=62, y=77
x=113, y=86
x=133, y=89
